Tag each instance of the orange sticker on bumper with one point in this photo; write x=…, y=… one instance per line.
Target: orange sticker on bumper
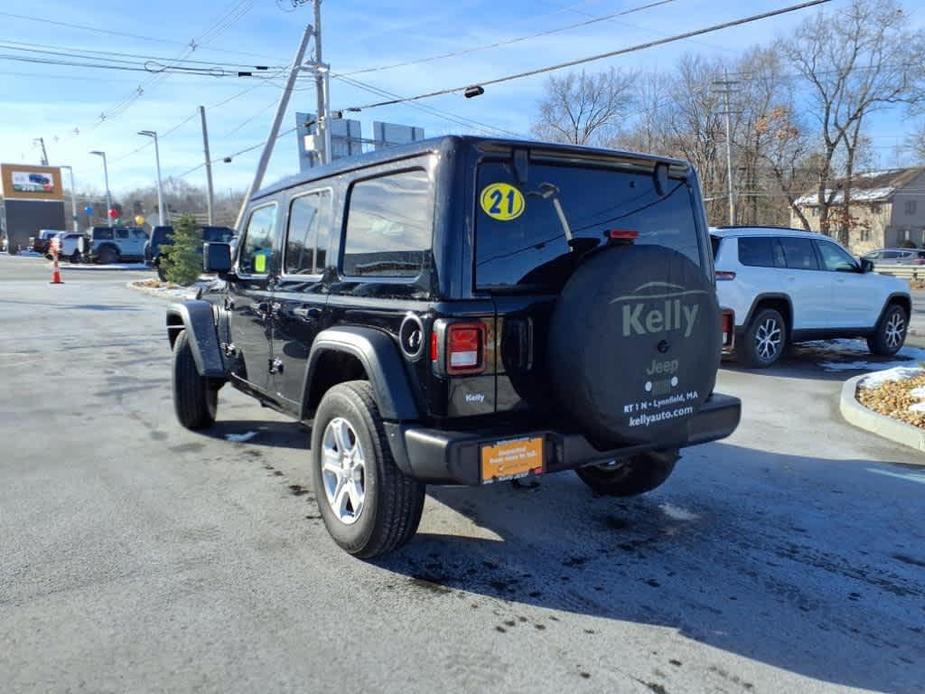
x=509, y=460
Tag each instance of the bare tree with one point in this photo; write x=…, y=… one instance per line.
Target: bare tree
x=917, y=143
x=584, y=109
x=855, y=61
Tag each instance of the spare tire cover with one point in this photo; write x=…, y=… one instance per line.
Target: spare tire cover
x=634, y=344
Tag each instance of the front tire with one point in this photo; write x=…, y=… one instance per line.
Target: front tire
x=631, y=476
x=195, y=399
x=764, y=340
x=368, y=505
x=890, y=334
x=108, y=255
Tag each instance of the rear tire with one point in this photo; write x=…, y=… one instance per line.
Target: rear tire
x=890, y=334
x=368, y=505
x=75, y=257
x=764, y=340
x=631, y=476
x=195, y=399
x=108, y=255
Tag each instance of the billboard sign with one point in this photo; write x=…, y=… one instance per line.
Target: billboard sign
x=24, y=182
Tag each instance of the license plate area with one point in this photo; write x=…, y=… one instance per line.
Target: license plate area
x=512, y=459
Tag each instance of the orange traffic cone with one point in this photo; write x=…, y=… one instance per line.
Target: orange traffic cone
x=56, y=273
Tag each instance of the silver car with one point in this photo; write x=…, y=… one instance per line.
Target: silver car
x=897, y=256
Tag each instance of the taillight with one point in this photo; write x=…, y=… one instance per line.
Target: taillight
x=465, y=348
x=727, y=322
x=724, y=276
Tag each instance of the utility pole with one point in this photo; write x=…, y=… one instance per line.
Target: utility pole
x=210, y=194
x=321, y=93
x=294, y=71
x=157, y=161
x=108, y=193
x=73, y=197
x=41, y=141
x=725, y=88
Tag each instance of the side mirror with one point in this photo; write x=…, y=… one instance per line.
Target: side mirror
x=867, y=265
x=216, y=257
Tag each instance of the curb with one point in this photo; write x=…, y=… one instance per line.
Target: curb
x=855, y=413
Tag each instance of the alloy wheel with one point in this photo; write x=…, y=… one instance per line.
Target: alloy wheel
x=343, y=470
x=895, y=330
x=768, y=339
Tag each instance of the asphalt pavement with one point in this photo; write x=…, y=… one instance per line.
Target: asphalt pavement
x=137, y=556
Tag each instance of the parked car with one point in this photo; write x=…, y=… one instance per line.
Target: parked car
x=117, y=244
x=896, y=256
x=40, y=243
x=162, y=237
x=465, y=311
x=789, y=286
x=69, y=245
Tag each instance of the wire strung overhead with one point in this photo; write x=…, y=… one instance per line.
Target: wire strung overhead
x=598, y=56
x=506, y=42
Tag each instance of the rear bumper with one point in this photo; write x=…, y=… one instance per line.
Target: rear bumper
x=439, y=456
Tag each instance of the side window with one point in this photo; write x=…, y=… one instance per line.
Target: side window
x=890, y=255
x=139, y=235
x=389, y=226
x=799, y=253
x=102, y=234
x=835, y=259
x=122, y=234
x=308, y=233
x=760, y=251
x=257, y=248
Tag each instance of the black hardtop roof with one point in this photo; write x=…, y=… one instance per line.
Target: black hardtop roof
x=447, y=143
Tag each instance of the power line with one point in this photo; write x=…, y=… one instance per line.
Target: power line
x=459, y=120
x=507, y=42
x=558, y=66
x=601, y=56
x=89, y=53
x=119, y=34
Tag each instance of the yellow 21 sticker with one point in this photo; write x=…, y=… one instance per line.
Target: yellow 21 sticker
x=502, y=201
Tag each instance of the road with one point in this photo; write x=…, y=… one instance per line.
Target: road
x=137, y=556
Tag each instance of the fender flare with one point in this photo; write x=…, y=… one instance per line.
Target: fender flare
x=897, y=297
x=196, y=318
x=764, y=297
x=379, y=355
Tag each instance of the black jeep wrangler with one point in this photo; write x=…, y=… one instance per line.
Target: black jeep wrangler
x=466, y=311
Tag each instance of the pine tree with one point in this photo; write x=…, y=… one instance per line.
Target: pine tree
x=183, y=260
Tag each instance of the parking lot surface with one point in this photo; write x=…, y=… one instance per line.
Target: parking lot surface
x=137, y=556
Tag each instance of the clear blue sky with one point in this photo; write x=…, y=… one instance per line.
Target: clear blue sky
x=51, y=101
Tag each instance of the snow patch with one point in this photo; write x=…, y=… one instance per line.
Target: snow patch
x=240, y=438
x=897, y=373
x=860, y=347
x=918, y=407
x=677, y=513
x=918, y=393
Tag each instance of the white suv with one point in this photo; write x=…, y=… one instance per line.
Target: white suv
x=790, y=286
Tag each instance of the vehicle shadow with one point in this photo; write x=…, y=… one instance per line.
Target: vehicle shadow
x=745, y=551
x=835, y=361
x=265, y=433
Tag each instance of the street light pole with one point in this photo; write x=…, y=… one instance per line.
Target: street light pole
x=108, y=192
x=70, y=170
x=157, y=161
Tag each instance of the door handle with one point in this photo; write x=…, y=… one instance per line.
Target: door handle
x=306, y=312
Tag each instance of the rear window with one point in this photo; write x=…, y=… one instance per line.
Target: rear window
x=761, y=251
x=389, y=226
x=799, y=253
x=521, y=230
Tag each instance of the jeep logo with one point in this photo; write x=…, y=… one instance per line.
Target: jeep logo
x=673, y=316
x=645, y=316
